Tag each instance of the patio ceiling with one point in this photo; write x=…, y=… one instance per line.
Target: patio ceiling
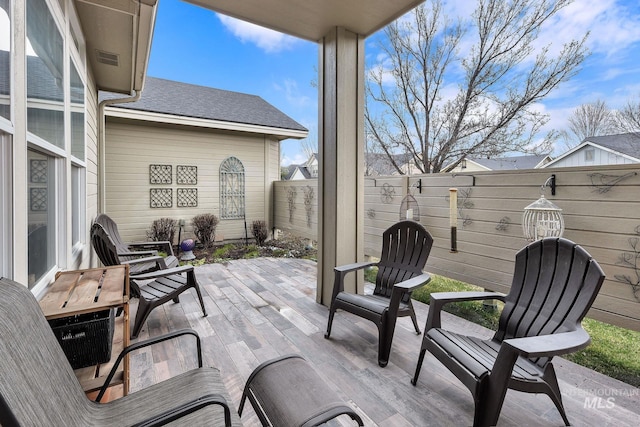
x=313, y=19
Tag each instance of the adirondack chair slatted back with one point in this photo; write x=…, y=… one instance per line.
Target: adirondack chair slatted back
x=104, y=245
x=405, y=249
x=37, y=380
x=111, y=228
x=554, y=284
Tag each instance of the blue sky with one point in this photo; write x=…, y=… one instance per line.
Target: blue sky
x=195, y=45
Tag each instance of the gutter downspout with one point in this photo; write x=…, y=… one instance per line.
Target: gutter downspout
x=102, y=198
x=148, y=8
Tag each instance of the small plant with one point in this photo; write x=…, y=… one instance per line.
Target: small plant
x=204, y=227
x=162, y=229
x=260, y=232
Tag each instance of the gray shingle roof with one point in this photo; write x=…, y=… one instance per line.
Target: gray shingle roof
x=187, y=100
x=508, y=163
x=625, y=143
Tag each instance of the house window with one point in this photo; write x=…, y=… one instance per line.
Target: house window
x=45, y=75
x=77, y=113
x=589, y=155
x=5, y=60
x=232, y=189
x=41, y=215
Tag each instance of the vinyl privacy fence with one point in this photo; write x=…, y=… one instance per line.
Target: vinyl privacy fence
x=600, y=205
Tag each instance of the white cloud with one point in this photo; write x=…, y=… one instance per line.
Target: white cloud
x=612, y=25
x=292, y=93
x=268, y=40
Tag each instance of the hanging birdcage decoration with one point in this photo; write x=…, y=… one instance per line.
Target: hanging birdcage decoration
x=542, y=218
x=409, y=208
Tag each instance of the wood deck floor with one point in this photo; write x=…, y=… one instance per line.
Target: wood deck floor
x=262, y=308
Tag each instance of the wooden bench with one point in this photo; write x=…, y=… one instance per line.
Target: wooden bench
x=287, y=391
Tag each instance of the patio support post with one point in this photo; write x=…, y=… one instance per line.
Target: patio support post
x=341, y=163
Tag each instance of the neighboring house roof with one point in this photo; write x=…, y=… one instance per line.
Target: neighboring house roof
x=514, y=162
x=379, y=164
x=297, y=172
x=200, y=102
x=507, y=163
x=624, y=144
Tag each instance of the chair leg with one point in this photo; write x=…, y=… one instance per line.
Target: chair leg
x=332, y=311
x=176, y=300
x=554, y=391
x=144, y=308
x=197, y=288
x=423, y=351
x=412, y=313
x=384, y=346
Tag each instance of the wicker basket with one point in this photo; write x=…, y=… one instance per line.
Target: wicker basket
x=86, y=339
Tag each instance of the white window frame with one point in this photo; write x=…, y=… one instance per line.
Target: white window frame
x=6, y=205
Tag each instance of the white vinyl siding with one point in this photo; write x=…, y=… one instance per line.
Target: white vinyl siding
x=600, y=157
x=131, y=147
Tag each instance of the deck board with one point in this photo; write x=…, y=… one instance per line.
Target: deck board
x=261, y=308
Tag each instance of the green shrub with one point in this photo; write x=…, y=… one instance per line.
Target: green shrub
x=260, y=232
x=163, y=229
x=204, y=227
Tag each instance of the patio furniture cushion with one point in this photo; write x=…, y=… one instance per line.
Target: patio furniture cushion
x=39, y=388
x=287, y=391
x=405, y=249
x=555, y=281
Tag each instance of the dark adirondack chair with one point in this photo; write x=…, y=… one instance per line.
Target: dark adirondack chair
x=133, y=251
x=154, y=288
x=39, y=388
x=405, y=249
x=139, y=262
x=554, y=284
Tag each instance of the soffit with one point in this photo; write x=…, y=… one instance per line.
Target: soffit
x=118, y=36
x=313, y=19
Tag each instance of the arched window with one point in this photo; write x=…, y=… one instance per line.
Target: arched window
x=231, y=189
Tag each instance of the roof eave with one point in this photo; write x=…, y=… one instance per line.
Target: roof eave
x=279, y=133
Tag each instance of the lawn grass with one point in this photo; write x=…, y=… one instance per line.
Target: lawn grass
x=613, y=351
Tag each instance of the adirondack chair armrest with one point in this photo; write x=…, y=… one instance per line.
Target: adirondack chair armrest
x=188, y=408
x=146, y=343
x=342, y=270
x=440, y=299
x=347, y=268
x=413, y=283
x=164, y=273
x=156, y=258
x=549, y=345
x=400, y=289
x=138, y=253
x=163, y=245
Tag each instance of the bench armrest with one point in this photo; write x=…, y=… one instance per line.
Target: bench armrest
x=146, y=343
x=188, y=408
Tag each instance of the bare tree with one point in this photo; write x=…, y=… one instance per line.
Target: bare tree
x=628, y=118
x=592, y=119
x=309, y=145
x=466, y=88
